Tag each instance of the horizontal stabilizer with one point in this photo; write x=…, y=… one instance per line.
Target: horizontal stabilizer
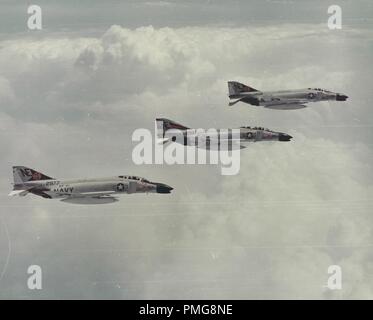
x=20, y=193
x=163, y=140
x=234, y=102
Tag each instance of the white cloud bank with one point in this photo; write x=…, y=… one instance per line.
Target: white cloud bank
x=69, y=106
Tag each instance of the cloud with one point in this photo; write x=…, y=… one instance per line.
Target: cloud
x=125, y=62
x=6, y=92
x=70, y=104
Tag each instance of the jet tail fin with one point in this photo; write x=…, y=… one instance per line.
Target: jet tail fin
x=163, y=124
x=235, y=88
x=23, y=174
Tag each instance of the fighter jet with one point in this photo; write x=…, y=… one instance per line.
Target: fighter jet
x=83, y=191
x=281, y=100
x=171, y=131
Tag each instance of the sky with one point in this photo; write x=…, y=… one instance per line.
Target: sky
x=72, y=94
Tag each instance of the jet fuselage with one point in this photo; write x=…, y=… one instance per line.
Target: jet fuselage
x=216, y=138
x=282, y=100
x=99, y=190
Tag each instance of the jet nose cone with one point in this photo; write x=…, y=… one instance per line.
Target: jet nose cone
x=284, y=137
x=341, y=97
x=163, y=188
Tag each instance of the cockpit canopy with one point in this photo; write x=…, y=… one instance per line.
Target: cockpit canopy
x=255, y=128
x=319, y=89
x=134, y=178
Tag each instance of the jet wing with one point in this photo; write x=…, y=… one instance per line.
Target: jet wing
x=86, y=194
x=283, y=103
x=235, y=144
x=215, y=144
x=90, y=198
x=285, y=106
